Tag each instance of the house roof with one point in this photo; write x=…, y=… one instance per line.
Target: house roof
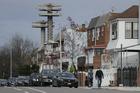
x=103, y=19
x=93, y=22
x=99, y=20
x=131, y=12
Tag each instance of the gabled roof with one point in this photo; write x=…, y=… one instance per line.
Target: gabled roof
x=99, y=20
x=93, y=22
x=103, y=19
x=131, y=12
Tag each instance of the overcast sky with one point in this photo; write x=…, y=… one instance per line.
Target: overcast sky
x=16, y=16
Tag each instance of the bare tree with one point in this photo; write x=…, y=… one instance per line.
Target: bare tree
x=74, y=42
x=22, y=50
x=4, y=61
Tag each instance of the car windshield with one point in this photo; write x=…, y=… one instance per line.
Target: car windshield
x=45, y=72
x=35, y=75
x=70, y=75
x=49, y=72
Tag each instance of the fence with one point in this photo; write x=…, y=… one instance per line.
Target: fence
x=129, y=76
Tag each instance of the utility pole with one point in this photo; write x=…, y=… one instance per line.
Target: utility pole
x=139, y=31
x=121, y=67
x=138, y=74
x=50, y=11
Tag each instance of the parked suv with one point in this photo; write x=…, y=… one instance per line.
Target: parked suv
x=65, y=79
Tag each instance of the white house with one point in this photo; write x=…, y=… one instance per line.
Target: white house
x=123, y=46
x=124, y=33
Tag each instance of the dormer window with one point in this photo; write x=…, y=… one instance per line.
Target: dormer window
x=131, y=30
x=114, y=31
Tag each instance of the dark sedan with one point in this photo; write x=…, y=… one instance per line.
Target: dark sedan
x=35, y=79
x=65, y=79
x=3, y=82
x=47, y=75
x=12, y=81
x=22, y=80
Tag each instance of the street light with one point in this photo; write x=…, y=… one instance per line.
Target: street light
x=11, y=59
x=60, y=52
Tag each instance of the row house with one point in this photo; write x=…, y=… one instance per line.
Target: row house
x=113, y=43
x=98, y=37
x=123, y=46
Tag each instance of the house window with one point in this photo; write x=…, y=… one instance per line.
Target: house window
x=98, y=33
x=94, y=34
x=114, y=31
x=131, y=30
x=135, y=30
x=102, y=31
x=89, y=32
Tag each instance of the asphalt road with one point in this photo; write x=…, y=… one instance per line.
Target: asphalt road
x=57, y=90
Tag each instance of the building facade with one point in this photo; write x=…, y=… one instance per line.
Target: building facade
x=123, y=46
x=98, y=37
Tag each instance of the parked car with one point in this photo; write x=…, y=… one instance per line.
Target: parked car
x=3, y=82
x=65, y=79
x=19, y=81
x=26, y=80
x=12, y=81
x=47, y=75
x=22, y=80
x=35, y=79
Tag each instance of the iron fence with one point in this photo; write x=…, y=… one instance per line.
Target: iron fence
x=129, y=76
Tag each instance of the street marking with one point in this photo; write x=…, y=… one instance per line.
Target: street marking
x=26, y=92
x=18, y=89
x=37, y=90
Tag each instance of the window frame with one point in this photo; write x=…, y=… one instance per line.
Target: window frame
x=114, y=32
x=132, y=31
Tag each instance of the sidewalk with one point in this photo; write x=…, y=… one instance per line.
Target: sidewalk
x=116, y=88
x=124, y=88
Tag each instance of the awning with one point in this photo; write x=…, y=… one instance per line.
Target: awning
x=133, y=48
x=88, y=48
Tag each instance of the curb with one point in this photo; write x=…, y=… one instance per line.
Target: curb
x=115, y=88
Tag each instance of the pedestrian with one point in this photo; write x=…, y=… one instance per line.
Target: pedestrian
x=99, y=75
x=90, y=77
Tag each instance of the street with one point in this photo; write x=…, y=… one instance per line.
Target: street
x=57, y=90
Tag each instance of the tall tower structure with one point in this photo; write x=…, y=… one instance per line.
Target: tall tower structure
x=42, y=25
x=49, y=11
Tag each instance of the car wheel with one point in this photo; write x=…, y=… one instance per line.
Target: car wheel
x=55, y=83
x=58, y=85
x=76, y=86
x=70, y=86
